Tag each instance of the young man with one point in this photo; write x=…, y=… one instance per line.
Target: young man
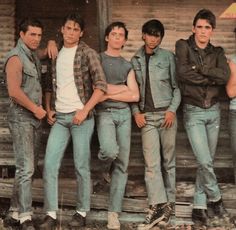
x=155, y=114
x=231, y=91
x=202, y=71
x=23, y=73
x=78, y=83
x=114, y=117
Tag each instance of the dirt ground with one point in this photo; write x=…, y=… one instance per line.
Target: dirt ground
x=96, y=226
x=92, y=223
x=101, y=225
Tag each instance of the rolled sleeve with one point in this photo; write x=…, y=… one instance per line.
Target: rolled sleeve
x=96, y=71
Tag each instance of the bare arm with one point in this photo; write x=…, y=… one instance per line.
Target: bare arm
x=129, y=93
x=231, y=85
x=50, y=113
x=50, y=51
x=116, y=89
x=14, y=80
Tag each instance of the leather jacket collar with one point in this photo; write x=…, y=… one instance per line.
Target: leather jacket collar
x=192, y=43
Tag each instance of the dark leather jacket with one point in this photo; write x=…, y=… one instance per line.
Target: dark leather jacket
x=201, y=74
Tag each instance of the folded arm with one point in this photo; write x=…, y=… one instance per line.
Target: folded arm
x=124, y=93
x=187, y=72
x=217, y=74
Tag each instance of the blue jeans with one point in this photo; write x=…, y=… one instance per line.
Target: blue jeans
x=159, y=155
x=59, y=137
x=232, y=130
x=202, y=127
x=26, y=132
x=114, y=134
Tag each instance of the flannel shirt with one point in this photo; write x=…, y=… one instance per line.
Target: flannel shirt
x=88, y=74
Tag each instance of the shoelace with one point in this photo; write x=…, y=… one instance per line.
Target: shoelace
x=150, y=212
x=167, y=211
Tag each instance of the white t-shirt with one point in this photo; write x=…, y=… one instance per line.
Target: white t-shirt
x=67, y=99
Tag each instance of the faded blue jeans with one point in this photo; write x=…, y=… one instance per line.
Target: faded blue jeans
x=159, y=155
x=202, y=127
x=114, y=134
x=59, y=137
x=232, y=130
x=26, y=133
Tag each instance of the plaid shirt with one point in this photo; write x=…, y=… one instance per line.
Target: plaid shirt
x=88, y=74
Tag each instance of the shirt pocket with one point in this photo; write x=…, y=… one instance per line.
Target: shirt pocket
x=30, y=71
x=30, y=75
x=162, y=70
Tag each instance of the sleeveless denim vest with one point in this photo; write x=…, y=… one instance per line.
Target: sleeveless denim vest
x=31, y=73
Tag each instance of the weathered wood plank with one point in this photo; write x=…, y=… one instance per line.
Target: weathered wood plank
x=68, y=198
x=137, y=198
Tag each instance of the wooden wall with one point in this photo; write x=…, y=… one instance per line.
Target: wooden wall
x=7, y=27
x=51, y=13
x=177, y=17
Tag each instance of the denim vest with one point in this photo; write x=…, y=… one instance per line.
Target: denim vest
x=31, y=72
x=164, y=88
x=232, y=104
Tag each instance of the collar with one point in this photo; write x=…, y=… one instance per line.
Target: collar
x=141, y=52
x=195, y=47
x=29, y=53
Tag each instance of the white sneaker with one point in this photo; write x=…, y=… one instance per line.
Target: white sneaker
x=113, y=221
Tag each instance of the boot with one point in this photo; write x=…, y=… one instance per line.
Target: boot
x=27, y=225
x=219, y=209
x=77, y=221
x=154, y=216
x=199, y=217
x=167, y=212
x=48, y=224
x=219, y=214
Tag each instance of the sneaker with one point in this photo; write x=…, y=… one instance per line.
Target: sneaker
x=154, y=216
x=48, y=223
x=200, y=217
x=172, y=204
x=113, y=221
x=9, y=221
x=167, y=212
x=27, y=225
x=77, y=221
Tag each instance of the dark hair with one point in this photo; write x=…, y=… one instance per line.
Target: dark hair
x=207, y=15
x=26, y=22
x=116, y=24
x=76, y=18
x=153, y=27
